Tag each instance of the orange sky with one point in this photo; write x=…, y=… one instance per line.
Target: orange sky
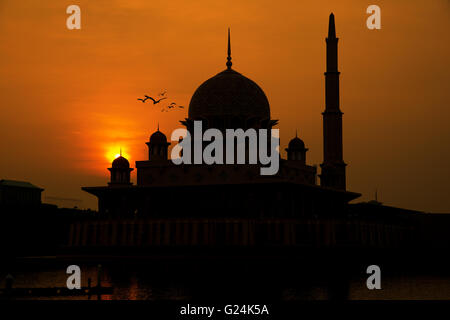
x=68, y=97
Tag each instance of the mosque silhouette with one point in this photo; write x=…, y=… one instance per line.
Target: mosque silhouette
x=229, y=100
x=222, y=205
x=225, y=230
x=231, y=224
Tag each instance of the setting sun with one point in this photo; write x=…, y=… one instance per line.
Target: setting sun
x=113, y=152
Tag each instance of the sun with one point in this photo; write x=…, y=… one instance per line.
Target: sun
x=113, y=152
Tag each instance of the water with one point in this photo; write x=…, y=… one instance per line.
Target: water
x=149, y=281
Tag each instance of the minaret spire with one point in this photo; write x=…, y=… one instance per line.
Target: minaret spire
x=331, y=27
x=229, y=63
x=333, y=166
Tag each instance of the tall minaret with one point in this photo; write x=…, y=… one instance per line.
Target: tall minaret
x=333, y=166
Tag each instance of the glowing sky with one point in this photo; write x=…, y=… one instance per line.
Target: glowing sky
x=68, y=97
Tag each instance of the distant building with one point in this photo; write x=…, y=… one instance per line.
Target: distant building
x=19, y=193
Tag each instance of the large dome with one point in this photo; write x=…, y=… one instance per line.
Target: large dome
x=229, y=93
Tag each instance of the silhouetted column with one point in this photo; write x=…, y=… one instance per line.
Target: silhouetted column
x=333, y=166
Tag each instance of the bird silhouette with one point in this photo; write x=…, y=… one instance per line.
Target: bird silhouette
x=155, y=101
x=171, y=106
x=143, y=100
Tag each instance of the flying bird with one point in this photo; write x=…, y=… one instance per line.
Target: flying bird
x=155, y=101
x=143, y=100
x=172, y=105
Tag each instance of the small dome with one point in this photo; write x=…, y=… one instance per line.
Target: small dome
x=229, y=93
x=158, y=137
x=296, y=144
x=120, y=162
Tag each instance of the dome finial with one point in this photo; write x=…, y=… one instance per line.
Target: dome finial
x=120, y=151
x=296, y=133
x=229, y=63
x=158, y=126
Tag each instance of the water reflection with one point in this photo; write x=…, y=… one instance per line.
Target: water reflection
x=143, y=282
